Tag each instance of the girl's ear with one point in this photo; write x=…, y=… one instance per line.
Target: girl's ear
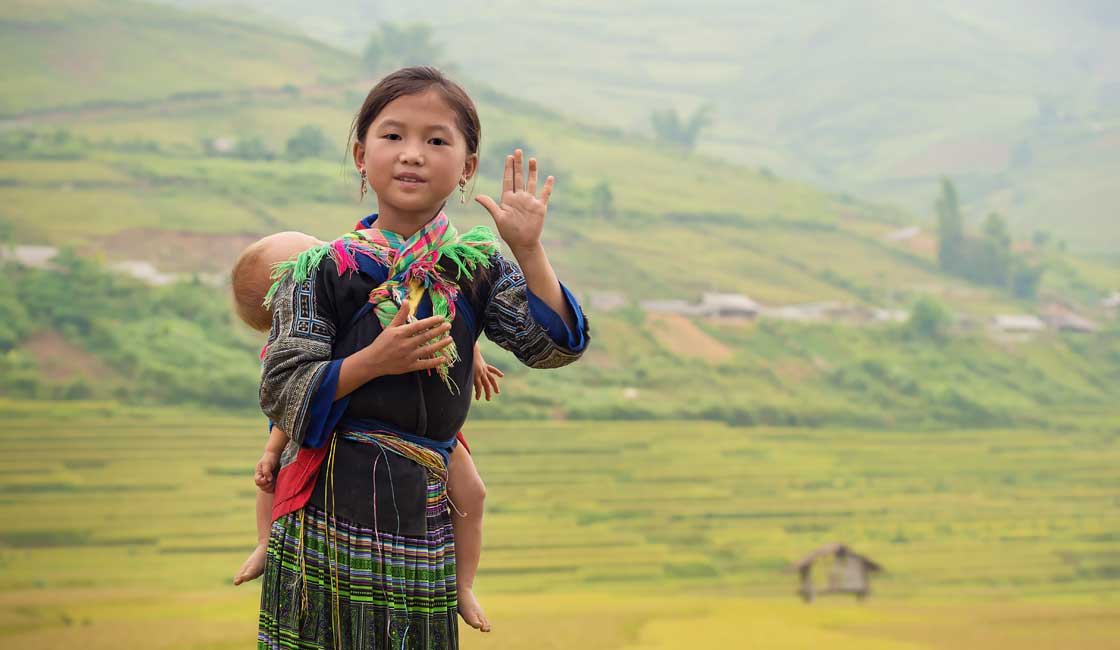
x=359, y=155
x=470, y=167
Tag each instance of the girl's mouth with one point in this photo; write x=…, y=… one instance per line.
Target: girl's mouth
x=409, y=180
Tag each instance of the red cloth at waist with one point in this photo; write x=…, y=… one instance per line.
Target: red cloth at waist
x=296, y=480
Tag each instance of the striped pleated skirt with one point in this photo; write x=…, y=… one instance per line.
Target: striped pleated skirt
x=331, y=584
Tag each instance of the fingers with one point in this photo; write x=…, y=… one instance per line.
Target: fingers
x=438, y=323
x=547, y=191
x=427, y=364
x=488, y=203
x=507, y=176
x=493, y=370
x=518, y=170
x=477, y=387
x=402, y=315
x=531, y=187
x=431, y=348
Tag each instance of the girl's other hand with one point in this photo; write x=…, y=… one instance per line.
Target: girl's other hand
x=520, y=217
x=404, y=347
x=265, y=471
x=485, y=377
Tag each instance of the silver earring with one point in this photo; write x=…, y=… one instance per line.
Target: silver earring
x=363, y=187
x=462, y=191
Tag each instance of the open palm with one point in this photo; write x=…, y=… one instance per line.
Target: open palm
x=520, y=216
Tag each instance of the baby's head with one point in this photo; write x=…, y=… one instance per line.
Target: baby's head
x=251, y=276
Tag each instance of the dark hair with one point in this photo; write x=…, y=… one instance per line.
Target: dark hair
x=413, y=81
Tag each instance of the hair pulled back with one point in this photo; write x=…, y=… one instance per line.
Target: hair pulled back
x=413, y=81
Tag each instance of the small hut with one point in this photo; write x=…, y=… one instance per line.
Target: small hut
x=849, y=572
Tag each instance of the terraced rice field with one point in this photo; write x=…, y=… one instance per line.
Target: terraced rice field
x=122, y=529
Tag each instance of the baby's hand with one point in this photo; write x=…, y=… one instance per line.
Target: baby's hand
x=266, y=468
x=485, y=377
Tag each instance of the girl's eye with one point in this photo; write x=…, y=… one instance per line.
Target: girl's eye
x=391, y=136
x=438, y=141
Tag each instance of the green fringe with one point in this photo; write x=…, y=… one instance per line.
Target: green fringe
x=300, y=268
x=471, y=250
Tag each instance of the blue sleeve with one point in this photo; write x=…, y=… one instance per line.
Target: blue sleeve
x=324, y=412
x=554, y=324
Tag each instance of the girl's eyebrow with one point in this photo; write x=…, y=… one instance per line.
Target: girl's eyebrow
x=400, y=125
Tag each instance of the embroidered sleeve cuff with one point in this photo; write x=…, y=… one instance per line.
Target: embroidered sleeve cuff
x=557, y=329
x=324, y=412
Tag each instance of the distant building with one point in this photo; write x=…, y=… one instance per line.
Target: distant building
x=890, y=315
x=146, y=272
x=1018, y=323
x=36, y=257
x=849, y=573
x=728, y=305
x=807, y=312
x=1065, y=319
x=670, y=307
x=833, y=312
x=712, y=305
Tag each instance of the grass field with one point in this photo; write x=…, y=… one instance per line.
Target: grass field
x=123, y=527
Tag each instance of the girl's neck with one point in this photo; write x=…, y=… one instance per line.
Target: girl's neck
x=404, y=223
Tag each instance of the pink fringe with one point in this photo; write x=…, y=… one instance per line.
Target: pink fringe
x=342, y=257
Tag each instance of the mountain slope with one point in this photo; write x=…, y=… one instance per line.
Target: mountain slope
x=1015, y=100
x=142, y=181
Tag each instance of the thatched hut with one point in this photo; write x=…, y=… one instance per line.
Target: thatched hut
x=848, y=573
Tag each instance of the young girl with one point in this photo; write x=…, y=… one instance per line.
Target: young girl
x=363, y=373
x=250, y=281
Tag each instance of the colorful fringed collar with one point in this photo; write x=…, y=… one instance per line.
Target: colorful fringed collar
x=412, y=265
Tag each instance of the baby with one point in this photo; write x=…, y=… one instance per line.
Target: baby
x=251, y=279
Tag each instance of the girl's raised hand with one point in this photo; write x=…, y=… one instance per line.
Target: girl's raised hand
x=404, y=347
x=520, y=217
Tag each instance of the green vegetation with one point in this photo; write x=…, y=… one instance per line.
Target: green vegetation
x=629, y=216
x=659, y=524
x=672, y=130
x=985, y=260
x=652, y=495
x=397, y=46
x=872, y=98
x=170, y=345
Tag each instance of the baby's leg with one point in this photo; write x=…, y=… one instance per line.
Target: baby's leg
x=254, y=564
x=467, y=493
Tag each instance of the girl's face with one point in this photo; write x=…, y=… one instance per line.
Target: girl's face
x=414, y=155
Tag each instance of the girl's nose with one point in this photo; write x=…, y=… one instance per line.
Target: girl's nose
x=410, y=156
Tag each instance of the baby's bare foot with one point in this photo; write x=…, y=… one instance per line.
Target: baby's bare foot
x=471, y=611
x=254, y=565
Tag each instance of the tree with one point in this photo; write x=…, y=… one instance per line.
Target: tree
x=929, y=319
x=252, y=149
x=308, y=142
x=396, y=46
x=1025, y=278
x=669, y=127
x=950, y=228
x=995, y=260
x=602, y=199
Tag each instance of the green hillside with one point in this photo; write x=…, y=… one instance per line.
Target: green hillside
x=880, y=98
x=93, y=53
x=145, y=180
